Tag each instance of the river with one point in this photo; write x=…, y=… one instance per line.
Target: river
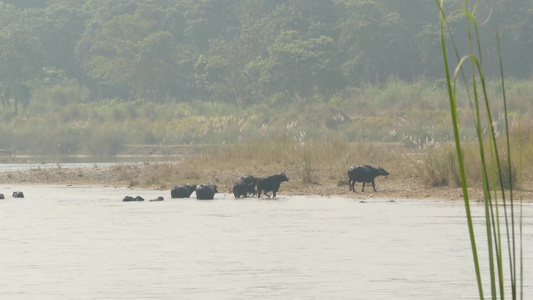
x=83, y=242
x=25, y=163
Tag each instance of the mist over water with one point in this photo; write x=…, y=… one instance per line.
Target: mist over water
x=83, y=242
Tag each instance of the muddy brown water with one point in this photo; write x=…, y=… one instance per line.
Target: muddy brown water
x=83, y=242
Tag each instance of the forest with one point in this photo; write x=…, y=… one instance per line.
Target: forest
x=90, y=76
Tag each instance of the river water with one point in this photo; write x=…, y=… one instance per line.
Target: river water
x=83, y=242
x=39, y=163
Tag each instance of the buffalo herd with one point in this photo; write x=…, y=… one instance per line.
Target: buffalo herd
x=249, y=185
x=244, y=186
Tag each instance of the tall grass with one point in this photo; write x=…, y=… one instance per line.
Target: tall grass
x=323, y=162
x=413, y=114
x=496, y=164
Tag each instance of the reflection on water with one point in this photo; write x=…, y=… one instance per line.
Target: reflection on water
x=83, y=242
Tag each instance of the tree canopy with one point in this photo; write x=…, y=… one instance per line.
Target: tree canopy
x=237, y=51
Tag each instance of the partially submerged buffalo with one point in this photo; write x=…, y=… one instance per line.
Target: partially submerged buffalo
x=18, y=194
x=206, y=191
x=364, y=174
x=132, y=199
x=182, y=191
x=244, y=185
x=270, y=183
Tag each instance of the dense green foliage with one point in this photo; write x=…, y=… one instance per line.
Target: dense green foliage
x=236, y=51
x=79, y=74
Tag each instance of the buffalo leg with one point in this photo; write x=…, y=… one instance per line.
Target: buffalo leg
x=363, y=189
x=374, y=186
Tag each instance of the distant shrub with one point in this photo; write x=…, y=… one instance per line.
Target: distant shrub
x=59, y=95
x=439, y=168
x=104, y=141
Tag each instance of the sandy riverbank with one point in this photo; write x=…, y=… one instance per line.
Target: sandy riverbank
x=163, y=177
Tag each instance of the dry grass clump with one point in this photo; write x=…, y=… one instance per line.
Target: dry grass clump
x=313, y=163
x=316, y=163
x=440, y=168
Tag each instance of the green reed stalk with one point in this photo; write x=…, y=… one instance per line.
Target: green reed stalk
x=454, y=116
x=491, y=205
x=520, y=218
x=509, y=166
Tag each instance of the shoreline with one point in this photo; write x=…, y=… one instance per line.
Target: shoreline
x=135, y=177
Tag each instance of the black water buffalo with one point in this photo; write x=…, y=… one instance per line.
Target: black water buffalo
x=182, y=191
x=2, y=196
x=160, y=198
x=270, y=183
x=244, y=185
x=18, y=194
x=364, y=174
x=131, y=199
x=128, y=199
x=206, y=191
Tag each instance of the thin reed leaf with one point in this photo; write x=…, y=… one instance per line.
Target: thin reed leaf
x=489, y=165
x=509, y=166
x=454, y=117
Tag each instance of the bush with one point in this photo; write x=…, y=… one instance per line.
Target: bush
x=440, y=168
x=104, y=141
